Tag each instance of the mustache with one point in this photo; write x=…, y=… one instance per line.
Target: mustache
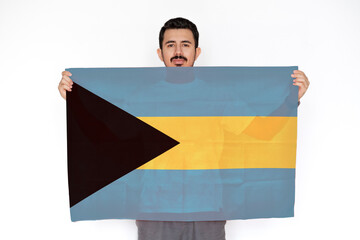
x=178, y=57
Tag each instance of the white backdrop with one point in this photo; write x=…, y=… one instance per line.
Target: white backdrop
x=39, y=39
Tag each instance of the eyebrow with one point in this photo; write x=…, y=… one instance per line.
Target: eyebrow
x=172, y=41
x=186, y=41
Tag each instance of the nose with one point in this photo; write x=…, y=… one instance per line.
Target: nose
x=178, y=50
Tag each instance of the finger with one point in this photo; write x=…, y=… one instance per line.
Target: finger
x=65, y=86
x=65, y=83
x=297, y=71
x=298, y=75
x=67, y=73
x=67, y=79
x=300, y=84
x=302, y=81
x=300, y=72
x=299, y=79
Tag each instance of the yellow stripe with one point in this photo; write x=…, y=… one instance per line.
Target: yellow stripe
x=226, y=142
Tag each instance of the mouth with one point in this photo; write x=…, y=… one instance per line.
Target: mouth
x=178, y=60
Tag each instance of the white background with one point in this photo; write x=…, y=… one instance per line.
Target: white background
x=39, y=39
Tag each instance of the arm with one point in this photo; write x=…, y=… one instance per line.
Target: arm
x=259, y=124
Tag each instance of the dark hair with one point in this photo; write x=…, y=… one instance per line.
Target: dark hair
x=179, y=23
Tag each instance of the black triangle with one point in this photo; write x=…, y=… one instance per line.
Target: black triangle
x=105, y=143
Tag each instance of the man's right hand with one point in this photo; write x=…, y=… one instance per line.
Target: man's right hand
x=65, y=83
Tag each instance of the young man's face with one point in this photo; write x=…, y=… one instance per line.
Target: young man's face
x=178, y=48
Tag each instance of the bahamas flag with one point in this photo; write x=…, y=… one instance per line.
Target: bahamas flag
x=181, y=144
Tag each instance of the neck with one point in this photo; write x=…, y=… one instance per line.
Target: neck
x=180, y=75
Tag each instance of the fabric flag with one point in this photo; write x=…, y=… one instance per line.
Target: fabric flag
x=182, y=144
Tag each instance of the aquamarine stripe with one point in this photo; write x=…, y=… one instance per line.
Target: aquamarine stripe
x=193, y=195
x=194, y=91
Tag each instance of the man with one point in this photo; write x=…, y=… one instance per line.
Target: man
x=178, y=47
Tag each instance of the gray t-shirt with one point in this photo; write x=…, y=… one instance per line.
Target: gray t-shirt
x=171, y=230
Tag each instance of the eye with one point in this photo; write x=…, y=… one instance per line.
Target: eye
x=186, y=45
x=170, y=45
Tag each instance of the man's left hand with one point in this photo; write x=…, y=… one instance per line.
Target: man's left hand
x=302, y=81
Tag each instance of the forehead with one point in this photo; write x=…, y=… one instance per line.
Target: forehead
x=178, y=35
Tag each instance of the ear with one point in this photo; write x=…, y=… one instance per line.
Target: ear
x=159, y=52
x=197, y=52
